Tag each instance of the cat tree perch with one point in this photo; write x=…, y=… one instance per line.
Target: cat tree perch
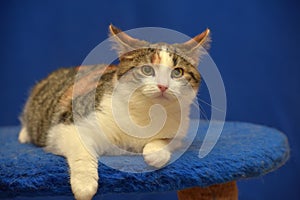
x=244, y=150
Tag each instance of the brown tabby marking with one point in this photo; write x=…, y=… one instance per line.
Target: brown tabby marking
x=155, y=58
x=86, y=81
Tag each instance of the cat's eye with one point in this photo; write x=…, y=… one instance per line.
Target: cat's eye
x=177, y=73
x=148, y=70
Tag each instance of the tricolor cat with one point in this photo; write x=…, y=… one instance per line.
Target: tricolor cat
x=62, y=119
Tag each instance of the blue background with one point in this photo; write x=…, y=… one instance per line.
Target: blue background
x=255, y=45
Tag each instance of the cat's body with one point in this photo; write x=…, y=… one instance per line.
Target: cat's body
x=73, y=112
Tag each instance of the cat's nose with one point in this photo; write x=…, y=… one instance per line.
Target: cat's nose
x=162, y=87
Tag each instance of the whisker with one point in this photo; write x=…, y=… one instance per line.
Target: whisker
x=214, y=107
x=202, y=111
x=174, y=92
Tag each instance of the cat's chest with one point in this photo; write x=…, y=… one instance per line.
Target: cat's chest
x=132, y=135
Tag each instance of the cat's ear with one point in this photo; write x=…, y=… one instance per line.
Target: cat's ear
x=124, y=43
x=195, y=47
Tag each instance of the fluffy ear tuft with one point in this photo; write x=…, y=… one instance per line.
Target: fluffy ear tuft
x=124, y=43
x=203, y=39
x=194, y=48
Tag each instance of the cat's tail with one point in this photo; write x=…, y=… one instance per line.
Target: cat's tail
x=23, y=136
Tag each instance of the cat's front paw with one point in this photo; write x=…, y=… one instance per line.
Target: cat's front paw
x=157, y=159
x=84, y=186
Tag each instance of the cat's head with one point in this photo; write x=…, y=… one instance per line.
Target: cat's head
x=165, y=71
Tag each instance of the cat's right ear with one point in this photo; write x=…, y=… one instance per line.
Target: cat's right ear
x=124, y=43
x=195, y=46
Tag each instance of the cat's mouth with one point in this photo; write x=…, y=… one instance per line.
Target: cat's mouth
x=158, y=96
x=164, y=96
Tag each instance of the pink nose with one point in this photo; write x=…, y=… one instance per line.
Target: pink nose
x=162, y=88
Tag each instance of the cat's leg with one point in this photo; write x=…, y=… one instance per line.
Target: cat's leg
x=64, y=140
x=84, y=175
x=23, y=135
x=156, y=153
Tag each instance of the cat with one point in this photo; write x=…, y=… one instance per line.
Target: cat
x=80, y=124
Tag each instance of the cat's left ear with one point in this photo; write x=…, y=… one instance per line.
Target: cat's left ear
x=124, y=43
x=195, y=47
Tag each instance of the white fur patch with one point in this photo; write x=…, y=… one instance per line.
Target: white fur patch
x=98, y=134
x=23, y=136
x=165, y=58
x=64, y=140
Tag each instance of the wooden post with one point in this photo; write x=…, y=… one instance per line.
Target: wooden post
x=224, y=191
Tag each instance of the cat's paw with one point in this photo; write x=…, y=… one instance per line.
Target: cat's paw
x=157, y=159
x=84, y=187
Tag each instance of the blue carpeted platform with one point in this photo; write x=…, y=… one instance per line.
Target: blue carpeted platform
x=243, y=150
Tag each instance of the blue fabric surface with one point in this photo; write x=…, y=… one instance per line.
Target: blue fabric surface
x=244, y=150
x=255, y=45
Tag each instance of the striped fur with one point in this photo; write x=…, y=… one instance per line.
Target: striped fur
x=71, y=112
